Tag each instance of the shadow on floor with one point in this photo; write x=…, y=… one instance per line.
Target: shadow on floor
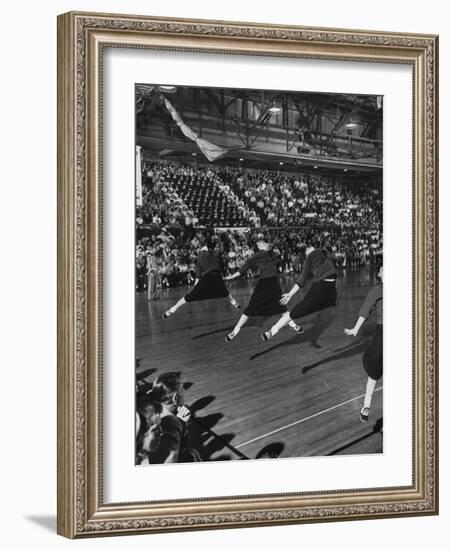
x=377, y=429
x=352, y=349
x=207, y=441
x=252, y=322
x=320, y=323
x=224, y=330
x=201, y=403
x=273, y=450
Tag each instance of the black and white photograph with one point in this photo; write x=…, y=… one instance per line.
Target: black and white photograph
x=258, y=274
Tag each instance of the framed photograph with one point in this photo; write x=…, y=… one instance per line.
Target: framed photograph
x=247, y=285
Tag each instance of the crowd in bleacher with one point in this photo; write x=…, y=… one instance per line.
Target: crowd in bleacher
x=181, y=203
x=279, y=199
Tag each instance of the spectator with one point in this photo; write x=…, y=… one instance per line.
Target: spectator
x=174, y=443
x=148, y=431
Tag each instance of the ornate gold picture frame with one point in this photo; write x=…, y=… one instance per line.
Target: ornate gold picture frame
x=82, y=38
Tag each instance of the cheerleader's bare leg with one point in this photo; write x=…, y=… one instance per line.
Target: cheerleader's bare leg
x=242, y=320
x=173, y=309
x=370, y=388
x=284, y=320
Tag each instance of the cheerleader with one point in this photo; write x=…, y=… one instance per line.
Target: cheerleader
x=373, y=356
x=265, y=300
x=322, y=294
x=208, y=283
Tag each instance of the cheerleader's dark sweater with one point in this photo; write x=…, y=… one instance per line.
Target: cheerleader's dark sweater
x=317, y=267
x=206, y=262
x=266, y=262
x=373, y=302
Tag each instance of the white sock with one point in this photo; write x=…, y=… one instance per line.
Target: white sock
x=282, y=321
x=370, y=388
x=177, y=305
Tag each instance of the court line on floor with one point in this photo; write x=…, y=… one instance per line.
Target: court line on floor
x=303, y=419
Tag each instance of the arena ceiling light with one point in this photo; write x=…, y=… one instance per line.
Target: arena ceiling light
x=168, y=89
x=194, y=154
x=281, y=163
x=351, y=124
x=275, y=107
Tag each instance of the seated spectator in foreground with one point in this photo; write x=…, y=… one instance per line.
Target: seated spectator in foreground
x=147, y=429
x=174, y=443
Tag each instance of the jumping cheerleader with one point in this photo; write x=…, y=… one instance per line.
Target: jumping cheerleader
x=373, y=356
x=321, y=295
x=265, y=300
x=208, y=283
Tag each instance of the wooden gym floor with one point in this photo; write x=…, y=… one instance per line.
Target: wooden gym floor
x=292, y=396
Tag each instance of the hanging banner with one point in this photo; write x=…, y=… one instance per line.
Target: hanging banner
x=211, y=151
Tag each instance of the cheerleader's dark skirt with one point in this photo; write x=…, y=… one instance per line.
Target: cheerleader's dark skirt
x=373, y=356
x=209, y=287
x=321, y=295
x=265, y=299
